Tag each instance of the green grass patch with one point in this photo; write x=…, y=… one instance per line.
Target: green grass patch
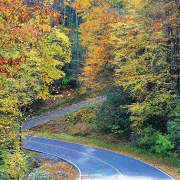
x=1, y=167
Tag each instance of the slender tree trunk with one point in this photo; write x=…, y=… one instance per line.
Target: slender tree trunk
x=77, y=42
x=71, y=19
x=64, y=12
x=71, y=15
x=20, y=133
x=173, y=50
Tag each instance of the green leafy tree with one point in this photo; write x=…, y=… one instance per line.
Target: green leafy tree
x=174, y=127
x=113, y=115
x=154, y=142
x=141, y=66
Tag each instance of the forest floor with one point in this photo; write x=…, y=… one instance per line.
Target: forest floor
x=57, y=168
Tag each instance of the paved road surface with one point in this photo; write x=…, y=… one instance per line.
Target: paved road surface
x=60, y=112
x=92, y=163
x=95, y=163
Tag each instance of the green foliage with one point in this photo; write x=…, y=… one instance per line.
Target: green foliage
x=87, y=115
x=113, y=115
x=173, y=127
x=69, y=82
x=162, y=146
x=14, y=169
x=178, y=170
x=118, y=3
x=2, y=155
x=153, y=111
x=174, y=132
x=154, y=142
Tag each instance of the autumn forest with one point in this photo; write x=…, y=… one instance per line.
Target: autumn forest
x=127, y=50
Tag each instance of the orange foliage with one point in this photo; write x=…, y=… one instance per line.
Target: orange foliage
x=99, y=16
x=14, y=63
x=16, y=27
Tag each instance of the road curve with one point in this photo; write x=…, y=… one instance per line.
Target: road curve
x=60, y=112
x=94, y=163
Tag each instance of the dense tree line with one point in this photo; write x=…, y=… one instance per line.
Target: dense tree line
x=131, y=46
x=135, y=44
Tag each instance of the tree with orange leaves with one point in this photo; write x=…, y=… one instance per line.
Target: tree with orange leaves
x=95, y=35
x=32, y=53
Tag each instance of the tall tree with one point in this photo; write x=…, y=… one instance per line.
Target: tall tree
x=95, y=35
x=140, y=61
x=32, y=54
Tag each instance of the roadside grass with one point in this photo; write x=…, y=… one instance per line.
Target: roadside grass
x=80, y=127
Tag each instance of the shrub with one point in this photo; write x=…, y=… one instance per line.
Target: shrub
x=87, y=115
x=69, y=82
x=82, y=90
x=174, y=133
x=81, y=129
x=113, y=115
x=154, y=142
x=3, y=153
x=15, y=165
x=173, y=127
x=38, y=174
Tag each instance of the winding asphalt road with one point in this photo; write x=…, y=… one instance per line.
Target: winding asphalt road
x=60, y=112
x=94, y=163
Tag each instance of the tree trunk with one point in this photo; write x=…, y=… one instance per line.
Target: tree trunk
x=77, y=42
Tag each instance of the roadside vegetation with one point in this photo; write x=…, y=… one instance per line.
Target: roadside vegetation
x=85, y=126
x=54, y=53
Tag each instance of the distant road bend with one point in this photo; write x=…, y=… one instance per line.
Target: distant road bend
x=92, y=163
x=60, y=112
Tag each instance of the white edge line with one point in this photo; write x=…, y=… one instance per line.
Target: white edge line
x=80, y=174
x=137, y=160
x=109, y=151
x=156, y=168
x=83, y=154
x=126, y=156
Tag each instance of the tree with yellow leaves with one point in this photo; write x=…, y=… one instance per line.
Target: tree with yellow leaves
x=141, y=62
x=32, y=54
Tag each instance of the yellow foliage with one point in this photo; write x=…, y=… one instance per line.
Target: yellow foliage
x=28, y=48
x=98, y=16
x=15, y=166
